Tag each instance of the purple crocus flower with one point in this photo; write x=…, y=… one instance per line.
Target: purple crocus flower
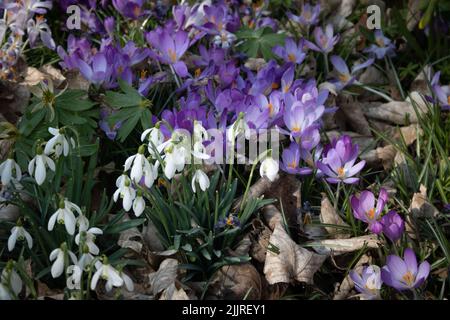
x=344, y=76
x=324, y=41
x=393, y=225
x=228, y=222
x=338, y=162
x=291, y=160
x=291, y=52
x=273, y=104
x=383, y=46
x=110, y=131
x=404, y=274
x=171, y=47
x=98, y=72
x=76, y=49
x=364, y=209
x=40, y=28
x=309, y=15
x=129, y=8
x=442, y=93
x=368, y=283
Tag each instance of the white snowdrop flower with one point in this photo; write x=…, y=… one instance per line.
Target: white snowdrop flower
x=106, y=272
x=10, y=282
x=202, y=179
x=82, y=222
x=238, y=127
x=155, y=139
x=85, y=259
x=137, y=163
x=269, y=168
x=200, y=133
x=59, y=256
x=138, y=204
x=150, y=174
x=58, y=144
x=127, y=281
x=9, y=169
x=89, y=239
x=19, y=233
x=125, y=191
x=64, y=215
x=37, y=166
x=74, y=279
x=175, y=160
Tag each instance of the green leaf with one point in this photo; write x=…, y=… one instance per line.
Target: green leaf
x=128, y=126
x=122, y=226
x=74, y=100
x=259, y=42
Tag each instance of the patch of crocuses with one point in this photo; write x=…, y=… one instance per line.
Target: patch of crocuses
x=149, y=77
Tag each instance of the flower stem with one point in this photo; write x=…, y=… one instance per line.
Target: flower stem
x=381, y=94
x=336, y=199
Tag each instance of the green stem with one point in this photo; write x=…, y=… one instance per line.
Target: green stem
x=336, y=199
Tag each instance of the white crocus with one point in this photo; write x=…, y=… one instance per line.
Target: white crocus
x=19, y=233
x=202, y=179
x=269, y=168
x=106, y=272
x=65, y=215
x=137, y=163
x=138, y=204
x=58, y=144
x=74, y=279
x=89, y=238
x=38, y=164
x=59, y=256
x=125, y=191
x=8, y=169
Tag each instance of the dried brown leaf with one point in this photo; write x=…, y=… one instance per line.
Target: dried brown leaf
x=328, y=215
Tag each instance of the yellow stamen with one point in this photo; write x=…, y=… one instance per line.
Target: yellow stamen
x=408, y=278
x=344, y=77
x=198, y=71
x=371, y=213
x=275, y=85
x=172, y=55
x=296, y=129
x=341, y=172
x=291, y=57
x=270, y=106
x=448, y=99
x=293, y=164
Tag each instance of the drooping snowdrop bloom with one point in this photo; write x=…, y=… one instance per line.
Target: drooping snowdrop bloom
x=364, y=209
x=9, y=169
x=138, y=204
x=74, y=273
x=125, y=191
x=240, y=126
x=89, y=239
x=19, y=233
x=137, y=163
x=175, y=160
x=404, y=274
x=269, y=168
x=38, y=164
x=85, y=259
x=10, y=282
x=127, y=281
x=65, y=215
x=155, y=138
x=202, y=179
x=82, y=222
x=59, y=255
x=368, y=283
x=58, y=144
x=106, y=272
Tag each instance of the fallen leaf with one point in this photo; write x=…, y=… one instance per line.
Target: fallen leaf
x=420, y=206
x=286, y=261
x=236, y=282
x=164, y=277
x=328, y=215
x=341, y=246
x=397, y=112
